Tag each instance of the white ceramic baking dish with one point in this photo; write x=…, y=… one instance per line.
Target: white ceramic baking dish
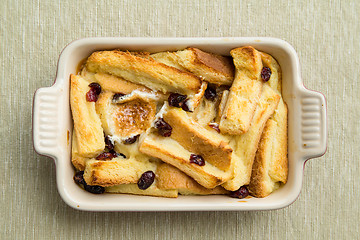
x=52, y=126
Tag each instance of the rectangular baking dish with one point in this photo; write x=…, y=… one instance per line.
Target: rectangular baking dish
x=52, y=126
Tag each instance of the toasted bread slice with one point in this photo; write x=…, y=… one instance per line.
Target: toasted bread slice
x=153, y=190
x=116, y=171
x=279, y=162
x=170, y=177
x=125, y=119
x=170, y=151
x=247, y=143
x=244, y=92
x=270, y=167
x=148, y=72
x=197, y=139
x=213, y=68
x=87, y=124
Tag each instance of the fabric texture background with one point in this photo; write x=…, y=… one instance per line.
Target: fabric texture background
x=325, y=35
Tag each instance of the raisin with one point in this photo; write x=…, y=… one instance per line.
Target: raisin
x=265, y=74
x=164, y=129
x=185, y=106
x=210, y=93
x=242, y=192
x=215, y=126
x=93, y=94
x=197, y=159
x=94, y=189
x=109, y=144
x=131, y=140
x=105, y=156
x=176, y=100
x=117, y=96
x=146, y=179
x=79, y=178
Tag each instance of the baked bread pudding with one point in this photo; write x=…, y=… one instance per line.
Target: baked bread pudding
x=186, y=122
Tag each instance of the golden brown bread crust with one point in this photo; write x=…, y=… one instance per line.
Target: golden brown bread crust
x=115, y=171
x=196, y=139
x=213, y=68
x=247, y=143
x=148, y=72
x=77, y=160
x=87, y=124
x=244, y=92
x=125, y=119
x=169, y=177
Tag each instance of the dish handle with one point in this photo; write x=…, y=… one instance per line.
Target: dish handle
x=46, y=112
x=313, y=124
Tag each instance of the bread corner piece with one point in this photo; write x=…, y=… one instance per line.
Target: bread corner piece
x=244, y=92
x=169, y=177
x=87, y=124
x=175, y=150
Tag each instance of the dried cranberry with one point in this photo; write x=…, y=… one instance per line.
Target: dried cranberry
x=215, y=126
x=105, y=156
x=117, y=96
x=163, y=127
x=242, y=192
x=109, y=144
x=94, y=189
x=197, y=159
x=146, y=179
x=79, y=178
x=265, y=74
x=131, y=140
x=176, y=100
x=185, y=106
x=93, y=94
x=210, y=93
